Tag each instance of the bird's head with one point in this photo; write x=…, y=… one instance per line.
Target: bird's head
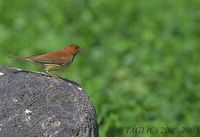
x=73, y=49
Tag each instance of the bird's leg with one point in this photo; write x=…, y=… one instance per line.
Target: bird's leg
x=52, y=75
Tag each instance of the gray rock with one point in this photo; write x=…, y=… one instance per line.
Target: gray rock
x=36, y=105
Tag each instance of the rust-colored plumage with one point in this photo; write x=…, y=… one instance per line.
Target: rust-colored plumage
x=54, y=60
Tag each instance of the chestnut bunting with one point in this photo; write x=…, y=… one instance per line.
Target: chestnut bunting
x=51, y=61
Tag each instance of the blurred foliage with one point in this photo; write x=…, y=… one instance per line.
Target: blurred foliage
x=141, y=63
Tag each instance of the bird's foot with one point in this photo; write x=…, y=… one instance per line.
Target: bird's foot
x=54, y=76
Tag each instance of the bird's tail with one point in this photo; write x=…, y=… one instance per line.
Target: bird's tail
x=20, y=58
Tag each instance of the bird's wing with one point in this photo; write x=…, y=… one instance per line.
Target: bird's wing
x=49, y=58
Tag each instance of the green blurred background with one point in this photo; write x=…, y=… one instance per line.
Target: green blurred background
x=141, y=63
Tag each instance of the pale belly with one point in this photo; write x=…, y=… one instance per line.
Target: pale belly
x=55, y=67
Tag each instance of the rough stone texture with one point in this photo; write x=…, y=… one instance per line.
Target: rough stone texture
x=36, y=105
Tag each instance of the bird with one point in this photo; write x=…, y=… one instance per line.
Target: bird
x=53, y=61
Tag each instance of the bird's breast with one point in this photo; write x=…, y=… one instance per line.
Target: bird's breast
x=69, y=60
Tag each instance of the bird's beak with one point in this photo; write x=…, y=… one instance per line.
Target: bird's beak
x=81, y=49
